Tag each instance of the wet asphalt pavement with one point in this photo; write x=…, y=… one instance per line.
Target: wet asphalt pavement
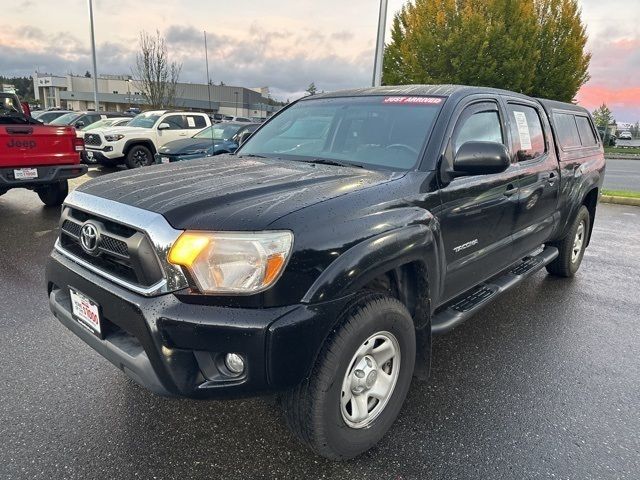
x=545, y=383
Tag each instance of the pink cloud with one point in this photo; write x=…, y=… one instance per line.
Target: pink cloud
x=623, y=99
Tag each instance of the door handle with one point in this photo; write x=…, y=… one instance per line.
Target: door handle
x=510, y=190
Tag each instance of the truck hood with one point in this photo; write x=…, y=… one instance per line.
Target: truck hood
x=231, y=193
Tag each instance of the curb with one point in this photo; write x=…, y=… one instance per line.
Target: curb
x=621, y=156
x=634, y=202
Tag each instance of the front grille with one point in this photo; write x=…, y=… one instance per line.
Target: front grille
x=92, y=139
x=121, y=251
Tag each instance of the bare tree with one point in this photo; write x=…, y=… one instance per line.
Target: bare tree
x=156, y=77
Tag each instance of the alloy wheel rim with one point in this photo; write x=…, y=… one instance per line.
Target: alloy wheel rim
x=578, y=241
x=140, y=157
x=370, y=380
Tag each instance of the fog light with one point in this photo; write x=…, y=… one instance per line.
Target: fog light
x=234, y=363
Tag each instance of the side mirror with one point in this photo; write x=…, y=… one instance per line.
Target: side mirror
x=243, y=137
x=481, y=158
x=164, y=126
x=79, y=125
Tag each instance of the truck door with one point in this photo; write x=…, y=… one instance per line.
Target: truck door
x=176, y=131
x=537, y=212
x=477, y=215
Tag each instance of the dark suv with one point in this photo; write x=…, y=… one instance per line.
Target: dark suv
x=320, y=259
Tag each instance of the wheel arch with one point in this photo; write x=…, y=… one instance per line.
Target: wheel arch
x=139, y=141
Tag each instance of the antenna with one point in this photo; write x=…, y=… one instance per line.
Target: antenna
x=206, y=60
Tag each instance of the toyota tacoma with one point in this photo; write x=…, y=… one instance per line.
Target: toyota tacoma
x=318, y=261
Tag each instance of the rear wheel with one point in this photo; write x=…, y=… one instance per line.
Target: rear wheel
x=359, y=382
x=571, y=248
x=139, y=156
x=53, y=195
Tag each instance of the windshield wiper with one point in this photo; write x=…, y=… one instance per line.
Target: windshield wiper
x=329, y=161
x=251, y=155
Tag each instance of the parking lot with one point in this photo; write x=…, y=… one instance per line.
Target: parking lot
x=542, y=384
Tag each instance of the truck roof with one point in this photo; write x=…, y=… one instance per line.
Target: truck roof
x=443, y=91
x=550, y=105
x=402, y=90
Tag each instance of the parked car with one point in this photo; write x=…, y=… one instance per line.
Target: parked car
x=319, y=260
x=625, y=135
x=229, y=118
x=215, y=140
x=136, y=144
x=46, y=116
x=80, y=120
x=107, y=123
x=35, y=156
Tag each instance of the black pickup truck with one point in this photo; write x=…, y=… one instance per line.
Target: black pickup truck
x=319, y=260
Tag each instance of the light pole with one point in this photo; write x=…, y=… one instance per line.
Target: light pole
x=93, y=54
x=382, y=26
x=236, y=94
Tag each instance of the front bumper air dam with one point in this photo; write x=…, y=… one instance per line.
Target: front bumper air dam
x=175, y=348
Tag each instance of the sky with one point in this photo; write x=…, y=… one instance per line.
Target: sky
x=283, y=44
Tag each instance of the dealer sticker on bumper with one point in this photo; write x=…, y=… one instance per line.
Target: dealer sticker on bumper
x=86, y=311
x=25, y=173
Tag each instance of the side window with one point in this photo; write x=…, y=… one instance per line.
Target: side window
x=196, y=122
x=482, y=126
x=176, y=122
x=567, y=130
x=527, y=133
x=587, y=136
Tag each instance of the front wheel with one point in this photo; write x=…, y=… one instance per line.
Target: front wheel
x=359, y=382
x=571, y=248
x=139, y=156
x=53, y=195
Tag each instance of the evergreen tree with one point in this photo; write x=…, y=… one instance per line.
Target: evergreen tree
x=311, y=89
x=602, y=116
x=530, y=46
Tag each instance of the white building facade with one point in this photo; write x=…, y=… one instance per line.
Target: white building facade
x=119, y=93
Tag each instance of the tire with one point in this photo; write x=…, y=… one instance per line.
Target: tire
x=322, y=410
x=53, y=195
x=139, y=156
x=571, y=248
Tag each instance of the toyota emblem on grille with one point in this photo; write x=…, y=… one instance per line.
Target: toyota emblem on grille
x=89, y=238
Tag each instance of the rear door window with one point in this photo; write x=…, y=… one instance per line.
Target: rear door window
x=195, y=122
x=585, y=130
x=527, y=132
x=567, y=130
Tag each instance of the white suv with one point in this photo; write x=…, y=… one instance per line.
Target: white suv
x=136, y=143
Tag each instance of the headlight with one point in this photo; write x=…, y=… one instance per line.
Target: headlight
x=113, y=138
x=234, y=263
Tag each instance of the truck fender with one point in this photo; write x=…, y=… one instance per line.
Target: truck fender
x=364, y=262
x=139, y=141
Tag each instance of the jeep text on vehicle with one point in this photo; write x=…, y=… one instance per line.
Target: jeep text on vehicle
x=35, y=156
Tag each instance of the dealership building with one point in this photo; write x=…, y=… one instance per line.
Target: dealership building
x=121, y=92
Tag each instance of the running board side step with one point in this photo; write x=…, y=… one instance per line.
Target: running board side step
x=461, y=308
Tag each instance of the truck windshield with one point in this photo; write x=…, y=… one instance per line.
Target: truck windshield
x=386, y=132
x=144, y=120
x=65, y=119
